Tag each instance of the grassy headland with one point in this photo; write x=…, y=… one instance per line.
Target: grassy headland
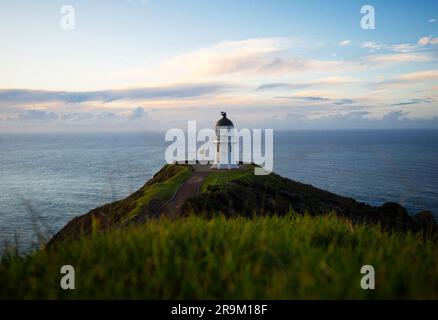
x=240, y=237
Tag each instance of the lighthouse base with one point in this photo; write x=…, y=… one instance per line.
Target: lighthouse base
x=224, y=166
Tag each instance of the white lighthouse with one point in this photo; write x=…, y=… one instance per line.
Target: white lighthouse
x=225, y=144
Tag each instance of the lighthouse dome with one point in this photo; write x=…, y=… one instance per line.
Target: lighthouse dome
x=224, y=122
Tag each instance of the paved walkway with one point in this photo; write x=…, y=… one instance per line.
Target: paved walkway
x=187, y=190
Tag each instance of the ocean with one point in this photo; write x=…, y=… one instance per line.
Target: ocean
x=51, y=178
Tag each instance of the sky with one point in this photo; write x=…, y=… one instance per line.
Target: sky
x=155, y=64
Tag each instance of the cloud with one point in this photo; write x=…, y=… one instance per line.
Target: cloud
x=372, y=46
x=419, y=76
x=342, y=102
x=76, y=117
x=40, y=120
x=137, y=113
x=230, y=56
x=404, y=47
x=175, y=92
x=399, y=58
x=361, y=119
x=305, y=98
x=36, y=115
x=335, y=81
x=346, y=43
x=269, y=58
x=330, y=81
x=256, y=57
x=409, y=79
x=276, y=86
x=400, y=47
x=338, y=102
x=413, y=101
x=335, y=120
x=106, y=115
x=424, y=41
x=433, y=20
x=394, y=116
x=281, y=57
x=247, y=73
x=349, y=116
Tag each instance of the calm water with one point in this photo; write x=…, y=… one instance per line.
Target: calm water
x=61, y=176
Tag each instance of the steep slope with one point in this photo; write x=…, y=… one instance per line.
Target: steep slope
x=235, y=193
x=145, y=202
x=247, y=195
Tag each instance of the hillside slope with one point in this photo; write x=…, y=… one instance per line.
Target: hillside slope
x=145, y=202
x=237, y=193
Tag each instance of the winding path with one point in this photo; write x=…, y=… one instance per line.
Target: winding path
x=187, y=190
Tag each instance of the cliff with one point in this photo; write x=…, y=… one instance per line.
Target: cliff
x=182, y=190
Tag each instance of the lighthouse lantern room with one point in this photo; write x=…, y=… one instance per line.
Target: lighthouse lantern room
x=225, y=144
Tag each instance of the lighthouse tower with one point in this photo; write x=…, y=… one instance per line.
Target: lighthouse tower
x=225, y=144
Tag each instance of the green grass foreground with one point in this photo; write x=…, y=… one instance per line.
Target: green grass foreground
x=293, y=257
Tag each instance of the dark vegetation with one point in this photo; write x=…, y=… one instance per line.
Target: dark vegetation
x=244, y=194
